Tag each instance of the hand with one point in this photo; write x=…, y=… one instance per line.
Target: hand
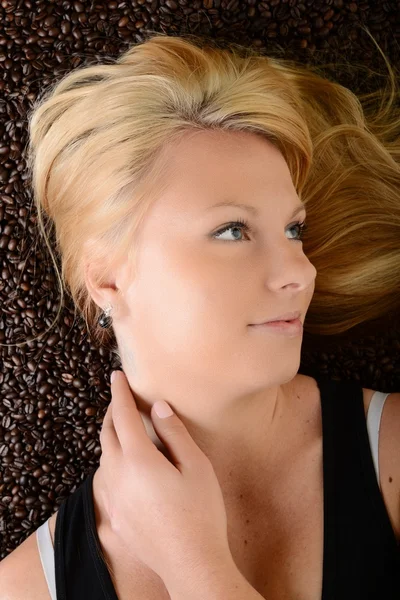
x=169, y=515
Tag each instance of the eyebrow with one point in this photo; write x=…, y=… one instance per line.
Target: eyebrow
x=253, y=209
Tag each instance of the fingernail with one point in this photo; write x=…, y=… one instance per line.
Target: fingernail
x=163, y=409
x=113, y=376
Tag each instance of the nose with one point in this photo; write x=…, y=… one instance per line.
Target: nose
x=291, y=270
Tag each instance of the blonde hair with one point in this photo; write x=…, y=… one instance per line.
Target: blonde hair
x=94, y=158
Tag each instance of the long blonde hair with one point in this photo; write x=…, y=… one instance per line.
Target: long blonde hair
x=95, y=139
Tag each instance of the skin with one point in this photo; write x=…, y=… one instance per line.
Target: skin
x=183, y=321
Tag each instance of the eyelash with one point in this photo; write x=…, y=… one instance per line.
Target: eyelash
x=242, y=223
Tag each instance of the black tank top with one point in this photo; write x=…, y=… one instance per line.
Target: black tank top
x=361, y=553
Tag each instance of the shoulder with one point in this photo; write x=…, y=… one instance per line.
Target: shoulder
x=24, y=559
x=389, y=454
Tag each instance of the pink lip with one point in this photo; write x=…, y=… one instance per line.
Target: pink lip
x=290, y=328
x=286, y=317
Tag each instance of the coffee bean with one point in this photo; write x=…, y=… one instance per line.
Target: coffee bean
x=30, y=500
x=3, y=450
x=295, y=12
x=33, y=515
x=44, y=481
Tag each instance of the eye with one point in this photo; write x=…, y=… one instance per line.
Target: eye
x=235, y=225
x=302, y=226
x=243, y=224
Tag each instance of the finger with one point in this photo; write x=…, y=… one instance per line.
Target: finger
x=128, y=423
x=108, y=437
x=177, y=439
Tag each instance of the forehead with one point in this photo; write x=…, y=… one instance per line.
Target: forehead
x=205, y=167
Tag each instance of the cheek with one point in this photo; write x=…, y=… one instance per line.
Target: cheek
x=183, y=305
x=186, y=310
x=176, y=310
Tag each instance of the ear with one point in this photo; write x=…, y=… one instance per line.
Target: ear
x=101, y=293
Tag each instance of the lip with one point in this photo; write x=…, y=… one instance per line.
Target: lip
x=291, y=328
x=292, y=316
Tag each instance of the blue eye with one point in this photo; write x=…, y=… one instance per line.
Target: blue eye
x=243, y=224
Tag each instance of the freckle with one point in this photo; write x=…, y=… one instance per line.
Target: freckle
x=245, y=541
x=247, y=520
x=241, y=496
x=390, y=480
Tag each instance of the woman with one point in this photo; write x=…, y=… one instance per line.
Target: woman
x=265, y=485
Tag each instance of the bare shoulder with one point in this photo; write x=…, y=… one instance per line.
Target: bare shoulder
x=389, y=454
x=25, y=559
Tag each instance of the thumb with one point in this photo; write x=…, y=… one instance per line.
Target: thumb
x=175, y=436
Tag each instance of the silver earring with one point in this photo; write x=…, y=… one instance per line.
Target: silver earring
x=105, y=320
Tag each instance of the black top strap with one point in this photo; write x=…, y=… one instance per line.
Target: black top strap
x=81, y=573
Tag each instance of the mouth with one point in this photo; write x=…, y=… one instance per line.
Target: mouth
x=293, y=327
x=285, y=318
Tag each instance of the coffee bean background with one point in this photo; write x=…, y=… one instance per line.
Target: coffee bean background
x=54, y=391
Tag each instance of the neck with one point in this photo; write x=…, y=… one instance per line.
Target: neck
x=254, y=448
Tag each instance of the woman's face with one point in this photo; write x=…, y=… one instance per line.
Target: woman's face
x=186, y=314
